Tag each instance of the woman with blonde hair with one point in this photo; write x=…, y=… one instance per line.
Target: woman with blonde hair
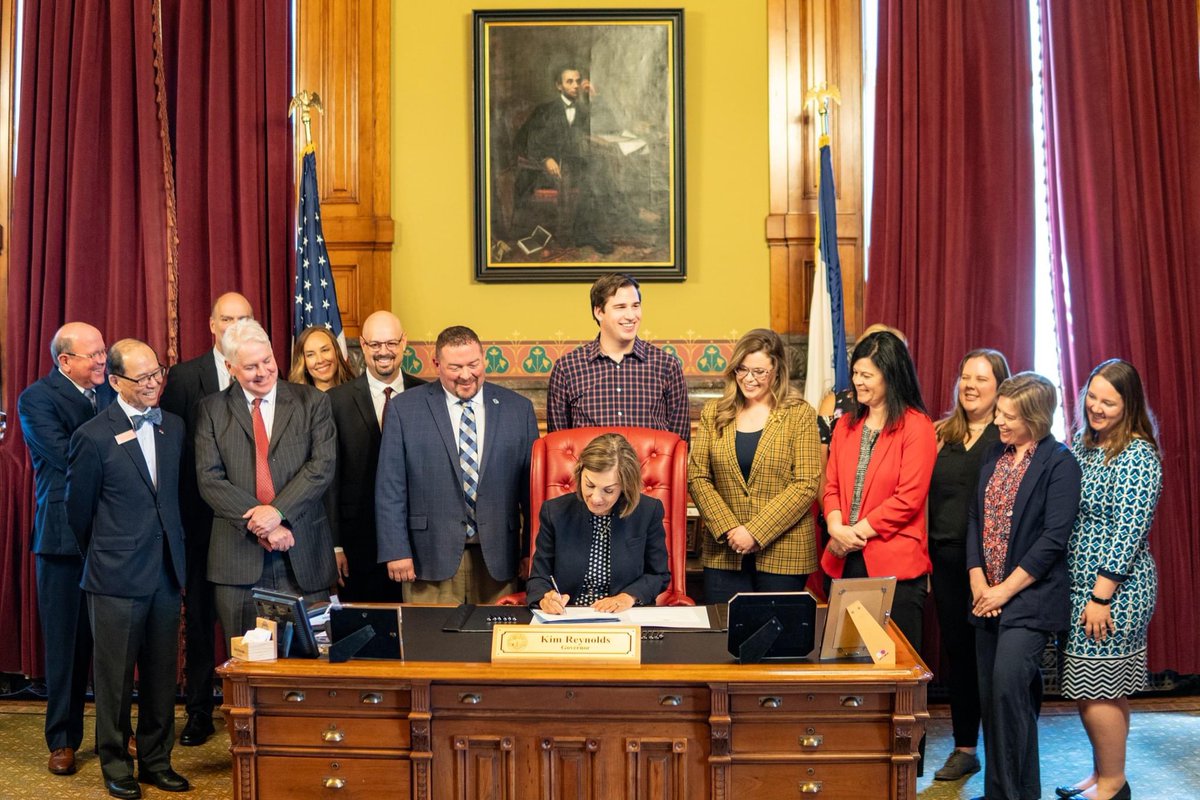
x=753, y=472
x=964, y=434
x=1113, y=579
x=603, y=545
x=317, y=360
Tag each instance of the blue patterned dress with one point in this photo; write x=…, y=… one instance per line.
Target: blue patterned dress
x=1111, y=537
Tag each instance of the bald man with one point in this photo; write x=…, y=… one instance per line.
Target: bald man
x=189, y=383
x=358, y=413
x=51, y=409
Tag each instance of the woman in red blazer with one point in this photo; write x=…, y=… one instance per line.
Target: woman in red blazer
x=880, y=461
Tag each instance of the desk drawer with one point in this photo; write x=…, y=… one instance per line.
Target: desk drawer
x=571, y=699
x=334, y=732
x=799, y=738
x=365, y=778
x=333, y=699
x=848, y=701
x=849, y=781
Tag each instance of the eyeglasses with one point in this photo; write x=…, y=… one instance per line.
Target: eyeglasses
x=96, y=356
x=390, y=344
x=147, y=379
x=758, y=372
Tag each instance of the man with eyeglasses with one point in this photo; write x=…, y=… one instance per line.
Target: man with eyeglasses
x=123, y=506
x=50, y=410
x=452, y=490
x=358, y=409
x=192, y=381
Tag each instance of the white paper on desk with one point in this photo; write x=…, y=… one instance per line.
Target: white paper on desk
x=573, y=615
x=695, y=617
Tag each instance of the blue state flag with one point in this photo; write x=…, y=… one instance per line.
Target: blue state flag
x=828, y=370
x=316, y=297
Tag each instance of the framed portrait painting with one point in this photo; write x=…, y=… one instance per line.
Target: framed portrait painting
x=579, y=145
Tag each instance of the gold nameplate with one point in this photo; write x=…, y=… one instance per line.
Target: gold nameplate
x=610, y=644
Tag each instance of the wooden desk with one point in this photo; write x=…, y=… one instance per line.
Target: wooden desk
x=688, y=724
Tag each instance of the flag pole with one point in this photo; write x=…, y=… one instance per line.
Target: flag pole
x=305, y=102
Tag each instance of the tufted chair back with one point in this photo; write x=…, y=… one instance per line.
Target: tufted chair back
x=664, y=476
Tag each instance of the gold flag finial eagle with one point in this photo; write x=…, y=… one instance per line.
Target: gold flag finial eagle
x=305, y=101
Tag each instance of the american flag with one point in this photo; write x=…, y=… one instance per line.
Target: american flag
x=316, y=298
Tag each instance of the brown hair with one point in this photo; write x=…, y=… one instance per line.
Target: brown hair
x=759, y=340
x=953, y=426
x=1138, y=421
x=455, y=336
x=605, y=287
x=606, y=451
x=299, y=373
x=1035, y=398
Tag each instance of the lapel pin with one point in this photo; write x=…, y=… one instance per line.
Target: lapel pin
x=496, y=400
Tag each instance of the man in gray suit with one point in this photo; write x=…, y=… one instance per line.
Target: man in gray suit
x=123, y=506
x=265, y=455
x=452, y=487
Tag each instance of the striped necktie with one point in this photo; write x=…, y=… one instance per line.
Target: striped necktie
x=468, y=459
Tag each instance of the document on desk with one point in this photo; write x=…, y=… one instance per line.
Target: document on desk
x=690, y=617
x=573, y=615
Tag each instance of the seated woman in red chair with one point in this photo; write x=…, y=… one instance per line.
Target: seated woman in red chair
x=603, y=545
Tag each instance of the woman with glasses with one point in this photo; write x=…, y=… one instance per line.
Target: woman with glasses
x=753, y=473
x=317, y=360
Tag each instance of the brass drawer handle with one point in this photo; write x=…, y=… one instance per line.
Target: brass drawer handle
x=811, y=741
x=333, y=736
x=370, y=698
x=470, y=699
x=334, y=783
x=670, y=700
x=811, y=787
x=770, y=702
x=852, y=701
x=294, y=696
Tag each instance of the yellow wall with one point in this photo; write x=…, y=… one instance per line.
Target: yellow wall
x=725, y=102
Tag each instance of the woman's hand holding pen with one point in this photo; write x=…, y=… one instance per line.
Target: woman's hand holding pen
x=554, y=602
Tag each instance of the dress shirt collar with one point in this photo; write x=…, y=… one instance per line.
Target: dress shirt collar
x=639, y=351
x=223, y=377
x=269, y=400
x=376, y=386
x=82, y=389
x=130, y=410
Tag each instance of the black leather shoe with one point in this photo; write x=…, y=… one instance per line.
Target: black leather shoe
x=168, y=780
x=1067, y=791
x=1124, y=793
x=197, y=730
x=125, y=788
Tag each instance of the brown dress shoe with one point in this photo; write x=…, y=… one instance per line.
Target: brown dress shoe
x=62, y=761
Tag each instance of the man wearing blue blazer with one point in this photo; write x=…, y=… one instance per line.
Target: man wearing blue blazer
x=123, y=506
x=50, y=410
x=452, y=487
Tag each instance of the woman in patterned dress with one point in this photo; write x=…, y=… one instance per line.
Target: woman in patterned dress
x=753, y=474
x=1113, y=580
x=603, y=545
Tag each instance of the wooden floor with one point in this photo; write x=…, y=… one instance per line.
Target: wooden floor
x=1163, y=761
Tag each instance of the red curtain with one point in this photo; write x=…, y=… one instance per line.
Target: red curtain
x=90, y=233
x=1123, y=134
x=952, y=229
x=228, y=71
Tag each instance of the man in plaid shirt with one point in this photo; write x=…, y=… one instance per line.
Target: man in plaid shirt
x=618, y=379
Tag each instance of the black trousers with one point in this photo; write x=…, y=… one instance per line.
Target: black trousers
x=141, y=632
x=68, y=640
x=1010, y=696
x=722, y=584
x=200, y=626
x=235, y=604
x=952, y=594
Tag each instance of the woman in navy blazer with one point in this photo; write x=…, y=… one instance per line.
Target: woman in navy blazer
x=604, y=544
x=1017, y=532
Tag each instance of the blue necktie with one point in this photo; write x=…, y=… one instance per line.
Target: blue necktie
x=468, y=459
x=152, y=415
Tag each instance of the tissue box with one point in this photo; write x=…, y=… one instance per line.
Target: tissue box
x=252, y=651
x=256, y=651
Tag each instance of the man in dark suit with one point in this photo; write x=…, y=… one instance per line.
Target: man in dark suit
x=452, y=489
x=358, y=408
x=190, y=382
x=265, y=454
x=554, y=142
x=50, y=411
x=123, y=506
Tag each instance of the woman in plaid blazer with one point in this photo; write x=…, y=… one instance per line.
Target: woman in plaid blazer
x=753, y=473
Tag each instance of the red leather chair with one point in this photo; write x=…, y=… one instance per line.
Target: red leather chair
x=664, y=476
